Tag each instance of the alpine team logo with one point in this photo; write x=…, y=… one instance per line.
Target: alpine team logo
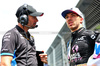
x=82, y=38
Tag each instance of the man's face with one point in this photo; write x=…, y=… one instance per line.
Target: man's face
x=73, y=21
x=32, y=21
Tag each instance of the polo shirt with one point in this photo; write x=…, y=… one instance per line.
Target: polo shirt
x=23, y=45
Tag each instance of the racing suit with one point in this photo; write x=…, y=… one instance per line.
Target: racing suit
x=81, y=46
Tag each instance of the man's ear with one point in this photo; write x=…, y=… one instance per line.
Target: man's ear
x=81, y=20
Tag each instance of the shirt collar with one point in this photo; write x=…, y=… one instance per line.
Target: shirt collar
x=22, y=31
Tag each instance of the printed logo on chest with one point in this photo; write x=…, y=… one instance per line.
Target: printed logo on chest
x=81, y=38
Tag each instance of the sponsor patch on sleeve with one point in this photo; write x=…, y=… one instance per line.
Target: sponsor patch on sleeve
x=7, y=37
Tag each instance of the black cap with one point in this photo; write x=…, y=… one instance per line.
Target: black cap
x=28, y=10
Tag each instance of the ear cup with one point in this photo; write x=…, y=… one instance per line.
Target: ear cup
x=23, y=16
x=23, y=19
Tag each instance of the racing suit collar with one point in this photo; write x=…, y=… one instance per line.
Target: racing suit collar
x=78, y=32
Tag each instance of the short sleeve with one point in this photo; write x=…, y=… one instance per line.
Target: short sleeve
x=8, y=44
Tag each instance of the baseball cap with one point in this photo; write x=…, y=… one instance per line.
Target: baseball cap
x=72, y=10
x=28, y=10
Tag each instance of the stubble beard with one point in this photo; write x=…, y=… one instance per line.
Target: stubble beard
x=74, y=28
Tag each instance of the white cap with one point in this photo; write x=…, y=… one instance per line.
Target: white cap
x=72, y=10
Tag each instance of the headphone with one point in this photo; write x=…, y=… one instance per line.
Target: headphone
x=23, y=16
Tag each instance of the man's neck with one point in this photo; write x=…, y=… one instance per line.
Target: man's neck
x=76, y=28
x=23, y=27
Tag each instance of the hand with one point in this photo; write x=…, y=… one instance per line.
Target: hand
x=43, y=58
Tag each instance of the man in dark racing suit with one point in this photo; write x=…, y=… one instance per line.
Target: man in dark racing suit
x=81, y=45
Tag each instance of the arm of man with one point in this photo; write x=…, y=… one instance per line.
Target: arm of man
x=8, y=47
x=95, y=58
x=6, y=60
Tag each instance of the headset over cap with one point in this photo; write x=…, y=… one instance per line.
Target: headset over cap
x=23, y=12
